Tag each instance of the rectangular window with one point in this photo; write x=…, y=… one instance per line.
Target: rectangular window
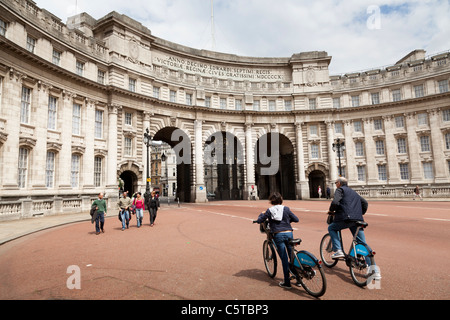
x=189, y=100
x=428, y=170
x=156, y=92
x=128, y=119
x=23, y=167
x=380, y=147
x=56, y=57
x=359, y=149
x=361, y=173
x=375, y=98
x=314, y=151
x=378, y=124
x=132, y=85
x=355, y=101
x=313, y=130
x=128, y=150
x=76, y=119
x=338, y=128
x=288, y=105
x=337, y=103
x=400, y=122
x=173, y=96
x=443, y=86
x=79, y=68
x=447, y=141
x=31, y=44
x=401, y=145
x=256, y=105
x=382, y=176
x=238, y=104
x=223, y=103
x=98, y=124
x=396, y=95
x=101, y=77
x=50, y=170
x=98, y=162
x=425, y=143
x=404, y=171
x=312, y=104
x=25, y=105
x=357, y=126
x=422, y=119
x=75, y=171
x=2, y=28
x=52, y=107
x=446, y=115
x=272, y=105
x=418, y=91
x=208, y=102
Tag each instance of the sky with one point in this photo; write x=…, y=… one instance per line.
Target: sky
x=358, y=34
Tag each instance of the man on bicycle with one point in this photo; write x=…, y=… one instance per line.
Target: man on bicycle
x=280, y=218
x=347, y=207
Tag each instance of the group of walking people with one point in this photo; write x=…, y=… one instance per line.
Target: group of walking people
x=127, y=207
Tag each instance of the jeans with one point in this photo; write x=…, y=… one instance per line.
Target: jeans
x=99, y=222
x=340, y=225
x=152, y=215
x=281, y=241
x=139, y=216
x=125, y=216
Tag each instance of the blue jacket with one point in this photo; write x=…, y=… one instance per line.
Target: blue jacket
x=348, y=205
x=278, y=226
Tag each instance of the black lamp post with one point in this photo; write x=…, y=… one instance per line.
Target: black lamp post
x=339, y=146
x=147, y=142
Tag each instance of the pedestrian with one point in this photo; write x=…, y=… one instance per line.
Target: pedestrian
x=125, y=205
x=100, y=213
x=152, y=205
x=139, y=203
x=280, y=218
x=328, y=192
x=319, y=190
x=417, y=193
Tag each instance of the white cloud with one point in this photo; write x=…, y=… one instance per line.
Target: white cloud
x=268, y=28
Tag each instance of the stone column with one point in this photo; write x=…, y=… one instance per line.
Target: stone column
x=369, y=151
x=200, y=190
x=413, y=149
x=302, y=184
x=331, y=153
x=437, y=145
x=111, y=181
x=65, y=155
x=391, y=151
x=89, y=142
x=145, y=125
x=352, y=174
x=250, y=164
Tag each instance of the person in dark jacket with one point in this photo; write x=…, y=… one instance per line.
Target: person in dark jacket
x=280, y=218
x=347, y=207
x=152, y=204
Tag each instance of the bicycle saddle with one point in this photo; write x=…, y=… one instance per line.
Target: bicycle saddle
x=361, y=224
x=295, y=242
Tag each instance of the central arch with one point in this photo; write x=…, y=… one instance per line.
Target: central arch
x=180, y=142
x=224, y=167
x=275, y=166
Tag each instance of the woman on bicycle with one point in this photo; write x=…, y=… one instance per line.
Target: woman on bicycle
x=280, y=218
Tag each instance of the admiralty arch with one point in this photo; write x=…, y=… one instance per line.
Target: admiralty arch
x=76, y=99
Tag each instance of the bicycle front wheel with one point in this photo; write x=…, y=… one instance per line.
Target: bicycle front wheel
x=326, y=251
x=270, y=258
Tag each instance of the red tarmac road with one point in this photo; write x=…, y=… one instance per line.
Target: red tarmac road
x=214, y=252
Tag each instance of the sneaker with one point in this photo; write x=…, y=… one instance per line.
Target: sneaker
x=285, y=286
x=338, y=254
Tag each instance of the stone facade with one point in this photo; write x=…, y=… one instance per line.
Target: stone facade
x=76, y=99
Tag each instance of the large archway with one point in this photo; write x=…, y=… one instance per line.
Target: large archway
x=275, y=166
x=130, y=182
x=317, y=179
x=224, y=167
x=182, y=146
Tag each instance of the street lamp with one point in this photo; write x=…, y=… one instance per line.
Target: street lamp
x=339, y=146
x=147, y=142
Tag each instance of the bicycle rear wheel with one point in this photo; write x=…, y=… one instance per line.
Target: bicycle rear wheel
x=326, y=251
x=360, y=269
x=311, y=274
x=270, y=258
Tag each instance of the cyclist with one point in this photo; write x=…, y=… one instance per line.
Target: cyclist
x=280, y=218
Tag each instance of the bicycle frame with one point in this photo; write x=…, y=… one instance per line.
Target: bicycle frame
x=355, y=247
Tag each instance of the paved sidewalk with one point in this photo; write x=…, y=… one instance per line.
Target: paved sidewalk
x=11, y=230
